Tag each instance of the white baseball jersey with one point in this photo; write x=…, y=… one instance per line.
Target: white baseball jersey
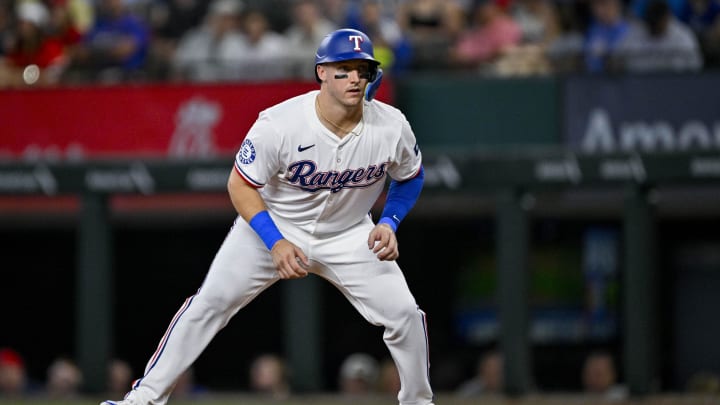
x=314, y=183
x=312, y=178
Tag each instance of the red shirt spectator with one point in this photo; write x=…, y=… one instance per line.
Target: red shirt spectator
x=62, y=26
x=45, y=54
x=12, y=373
x=33, y=46
x=492, y=32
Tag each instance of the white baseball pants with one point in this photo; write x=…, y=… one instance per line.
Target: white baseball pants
x=243, y=268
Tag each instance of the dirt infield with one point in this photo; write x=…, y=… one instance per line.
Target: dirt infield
x=559, y=399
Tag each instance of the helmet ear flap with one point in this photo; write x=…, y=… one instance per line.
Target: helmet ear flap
x=373, y=73
x=374, y=84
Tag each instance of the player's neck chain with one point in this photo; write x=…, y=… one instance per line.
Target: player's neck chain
x=336, y=126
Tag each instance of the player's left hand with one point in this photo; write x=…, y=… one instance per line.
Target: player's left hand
x=383, y=242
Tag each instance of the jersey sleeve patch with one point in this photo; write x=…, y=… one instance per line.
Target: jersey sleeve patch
x=247, y=152
x=245, y=156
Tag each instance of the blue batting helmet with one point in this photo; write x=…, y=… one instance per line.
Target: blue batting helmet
x=345, y=44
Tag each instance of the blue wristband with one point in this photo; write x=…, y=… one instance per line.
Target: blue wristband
x=264, y=226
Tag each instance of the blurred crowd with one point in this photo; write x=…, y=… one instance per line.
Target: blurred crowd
x=360, y=375
x=50, y=42
x=267, y=376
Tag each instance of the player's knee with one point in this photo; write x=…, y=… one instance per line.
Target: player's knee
x=404, y=311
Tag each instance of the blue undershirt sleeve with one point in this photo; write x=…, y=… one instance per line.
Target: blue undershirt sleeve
x=401, y=197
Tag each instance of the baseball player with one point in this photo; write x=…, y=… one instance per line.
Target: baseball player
x=305, y=179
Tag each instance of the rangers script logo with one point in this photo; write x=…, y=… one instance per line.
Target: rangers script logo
x=304, y=173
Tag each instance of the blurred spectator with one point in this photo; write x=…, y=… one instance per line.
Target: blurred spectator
x=703, y=17
x=599, y=377
x=392, y=49
x=62, y=25
x=264, y=52
x=80, y=12
x=119, y=376
x=269, y=376
x=358, y=375
x=428, y=19
x=639, y=8
x=278, y=13
x=539, y=25
x=538, y=20
x=115, y=48
x=389, y=378
x=342, y=13
x=69, y=21
x=431, y=26
x=186, y=386
x=447, y=373
x=169, y=21
x=492, y=32
x=307, y=30
x=488, y=377
x=13, y=376
x=34, y=57
x=64, y=379
x=704, y=383
x=6, y=27
x=212, y=51
x=565, y=53
x=607, y=29
x=662, y=43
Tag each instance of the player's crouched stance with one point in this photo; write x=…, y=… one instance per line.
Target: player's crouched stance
x=305, y=177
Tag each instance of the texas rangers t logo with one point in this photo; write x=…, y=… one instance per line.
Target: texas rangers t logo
x=358, y=40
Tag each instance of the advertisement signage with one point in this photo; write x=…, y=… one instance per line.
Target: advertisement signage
x=154, y=121
x=644, y=114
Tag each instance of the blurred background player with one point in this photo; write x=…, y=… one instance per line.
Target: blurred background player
x=269, y=377
x=119, y=377
x=599, y=377
x=187, y=387
x=64, y=379
x=358, y=375
x=13, y=376
x=389, y=378
x=488, y=379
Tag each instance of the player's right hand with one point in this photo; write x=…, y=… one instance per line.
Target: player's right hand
x=289, y=260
